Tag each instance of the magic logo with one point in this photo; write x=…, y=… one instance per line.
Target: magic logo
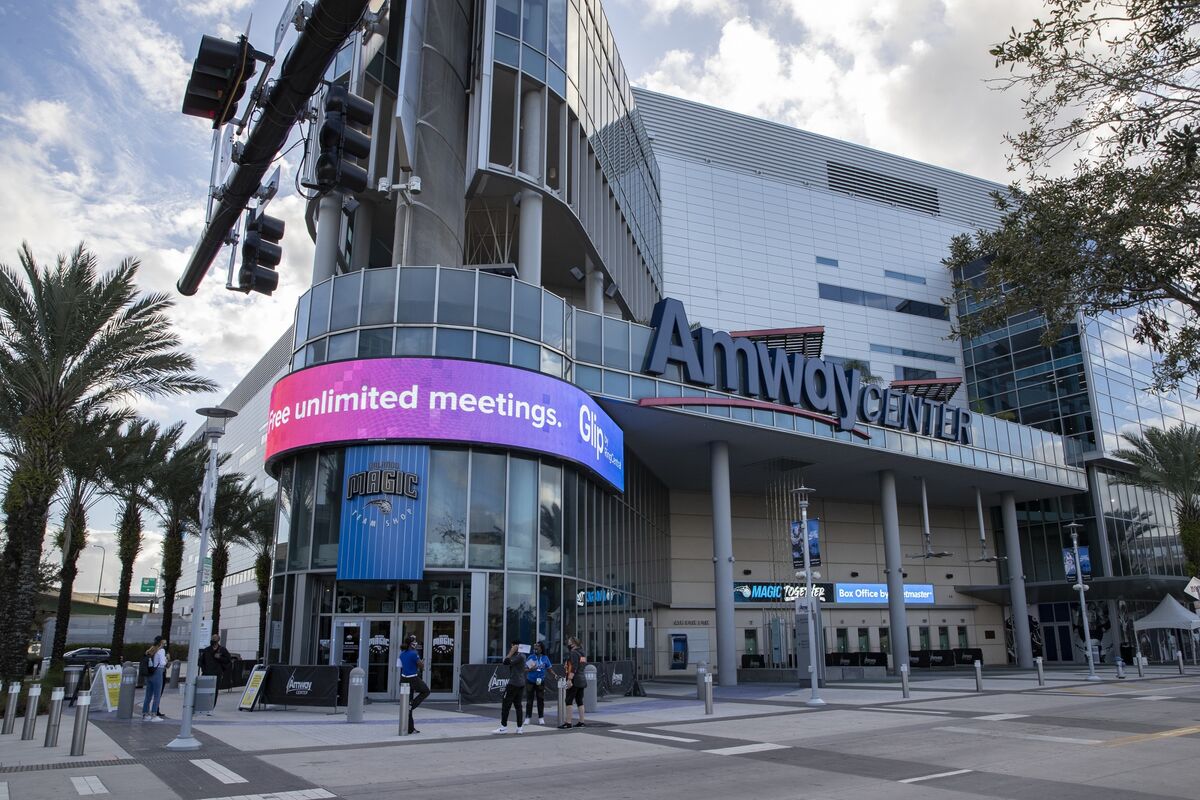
x=812, y=387
x=396, y=487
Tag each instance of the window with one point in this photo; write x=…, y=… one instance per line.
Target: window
x=446, y=517
x=843, y=640
x=864, y=640
x=456, y=297
x=327, y=516
x=504, y=99
x=923, y=637
x=903, y=276
x=522, y=513
x=487, y=510
x=902, y=305
x=827, y=262
x=943, y=638
x=962, y=636
x=914, y=374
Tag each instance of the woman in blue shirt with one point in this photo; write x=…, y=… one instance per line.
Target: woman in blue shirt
x=539, y=671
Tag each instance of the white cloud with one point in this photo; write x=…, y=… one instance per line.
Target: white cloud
x=663, y=9
x=125, y=48
x=906, y=76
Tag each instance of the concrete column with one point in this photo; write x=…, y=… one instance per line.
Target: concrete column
x=1016, y=582
x=329, y=233
x=722, y=519
x=479, y=618
x=593, y=287
x=530, y=162
x=363, y=220
x=893, y=562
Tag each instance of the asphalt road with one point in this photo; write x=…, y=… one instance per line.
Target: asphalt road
x=1127, y=740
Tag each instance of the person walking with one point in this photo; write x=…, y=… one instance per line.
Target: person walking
x=576, y=683
x=538, y=670
x=411, y=665
x=215, y=660
x=513, y=693
x=155, y=660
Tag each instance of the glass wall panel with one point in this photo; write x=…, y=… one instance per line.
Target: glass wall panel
x=456, y=297
x=522, y=608
x=522, y=512
x=550, y=617
x=495, y=617
x=494, y=302
x=346, y=290
x=327, y=517
x=487, y=510
x=415, y=300
x=374, y=342
x=283, y=517
x=303, y=504
x=379, y=296
x=550, y=519
x=318, y=318
x=527, y=310
x=446, y=517
x=414, y=342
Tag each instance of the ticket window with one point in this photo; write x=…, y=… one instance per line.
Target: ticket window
x=751, y=642
x=843, y=640
x=864, y=640
x=885, y=640
x=923, y=637
x=943, y=637
x=963, y=641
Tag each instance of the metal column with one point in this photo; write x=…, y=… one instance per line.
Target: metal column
x=1016, y=582
x=722, y=522
x=897, y=617
x=329, y=233
x=593, y=287
x=529, y=242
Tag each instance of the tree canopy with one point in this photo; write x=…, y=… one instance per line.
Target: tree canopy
x=1115, y=86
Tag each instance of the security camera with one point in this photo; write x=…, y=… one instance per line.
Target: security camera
x=414, y=185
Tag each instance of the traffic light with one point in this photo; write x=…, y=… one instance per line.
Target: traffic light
x=219, y=76
x=338, y=140
x=261, y=253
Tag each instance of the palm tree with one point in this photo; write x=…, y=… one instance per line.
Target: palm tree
x=132, y=458
x=73, y=342
x=175, y=490
x=84, y=462
x=1168, y=461
x=260, y=538
x=231, y=519
x=863, y=367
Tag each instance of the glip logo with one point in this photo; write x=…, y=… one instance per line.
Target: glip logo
x=589, y=430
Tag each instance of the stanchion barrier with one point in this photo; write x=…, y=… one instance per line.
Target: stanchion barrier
x=904, y=680
x=1178, y=658
x=590, y=692
x=31, y=710
x=129, y=678
x=79, y=735
x=1041, y=671
x=1141, y=667
x=708, y=694
x=355, y=695
x=405, y=701
x=701, y=671
x=1120, y=668
x=173, y=681
x=10, y=711
x=978, y=676
x=562, y=700
x=72, y=676
x=54, y=718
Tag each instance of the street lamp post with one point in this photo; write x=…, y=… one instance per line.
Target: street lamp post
x=802, y=494
x=100, y=582
x=214, y=429
x=1081, y=587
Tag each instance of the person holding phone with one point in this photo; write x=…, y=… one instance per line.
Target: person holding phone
x=516, y=686
x=538, y=669
x=411, y=665
x=155, y=660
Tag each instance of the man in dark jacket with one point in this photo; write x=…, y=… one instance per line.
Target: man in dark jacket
x=215, y=660
x=515, y=689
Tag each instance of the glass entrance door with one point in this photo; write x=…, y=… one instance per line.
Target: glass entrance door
x=347, y=642
x=441, y=659
x=379, y=657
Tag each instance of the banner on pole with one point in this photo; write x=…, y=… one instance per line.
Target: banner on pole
x=814, y=544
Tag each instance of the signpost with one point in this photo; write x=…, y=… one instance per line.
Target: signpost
x=1193, y=588
x=149, y=585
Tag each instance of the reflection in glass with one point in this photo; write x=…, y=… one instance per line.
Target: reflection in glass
x=522, y=512
x=446, y=517
x=487, y=510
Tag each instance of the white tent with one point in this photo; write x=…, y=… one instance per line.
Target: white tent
x=1169, y=614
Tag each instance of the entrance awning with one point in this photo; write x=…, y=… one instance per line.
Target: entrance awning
x=1169, y=614
x=1134, y=587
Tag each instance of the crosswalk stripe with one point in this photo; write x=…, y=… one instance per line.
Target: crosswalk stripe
x=295, y=794
x=656, y=736
x=217, y=771
x=3, y=790
x=1034, y=737
x=746, y=748
x=935, y=775
x=1001, y=717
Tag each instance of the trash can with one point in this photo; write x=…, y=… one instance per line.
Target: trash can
x=206, y=694
x=72, y=676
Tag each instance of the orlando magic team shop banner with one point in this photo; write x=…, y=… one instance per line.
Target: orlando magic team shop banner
x=382, y=535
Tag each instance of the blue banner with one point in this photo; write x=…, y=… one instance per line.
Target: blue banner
x=382, y=535
x=814, y=544
x=915, y=594
x=1085, y=561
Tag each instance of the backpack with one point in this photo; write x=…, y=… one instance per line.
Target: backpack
x=147, y=665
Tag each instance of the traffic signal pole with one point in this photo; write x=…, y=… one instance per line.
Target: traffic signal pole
x=332, y=22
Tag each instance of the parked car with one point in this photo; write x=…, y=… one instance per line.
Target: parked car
x=87, y=656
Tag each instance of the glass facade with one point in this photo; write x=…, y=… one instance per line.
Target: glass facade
x=593, y=153
x=436, y=313
x=563, y=555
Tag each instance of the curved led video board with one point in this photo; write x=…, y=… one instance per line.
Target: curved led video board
x=443, y=400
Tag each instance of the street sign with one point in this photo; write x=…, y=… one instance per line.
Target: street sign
x=149, y=585
x=1193, y=588
x=208, y=569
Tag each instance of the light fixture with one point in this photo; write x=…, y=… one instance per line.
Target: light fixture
x=949, y=576
x=576, y=273
x=853, y=574
x=610, y=291
x=745, y=572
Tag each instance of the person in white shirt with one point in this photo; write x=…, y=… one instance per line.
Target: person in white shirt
x=156, y=664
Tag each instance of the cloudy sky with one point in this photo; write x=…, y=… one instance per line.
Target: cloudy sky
x=93, y=147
